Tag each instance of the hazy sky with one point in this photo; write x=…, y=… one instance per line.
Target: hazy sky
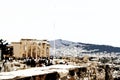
x=88, y=21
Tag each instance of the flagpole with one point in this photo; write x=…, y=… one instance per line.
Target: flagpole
x=54, y=22
x=54, y=42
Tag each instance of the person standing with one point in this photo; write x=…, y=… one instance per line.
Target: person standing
x=108, y=74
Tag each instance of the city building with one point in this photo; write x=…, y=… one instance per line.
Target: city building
x=31, y=48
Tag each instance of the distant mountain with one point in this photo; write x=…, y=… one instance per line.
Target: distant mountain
x=64, y=46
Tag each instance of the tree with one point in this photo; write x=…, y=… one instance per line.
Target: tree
x=4, y=48
x=104, y=60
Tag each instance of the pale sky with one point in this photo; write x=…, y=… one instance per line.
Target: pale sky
x=87, y=21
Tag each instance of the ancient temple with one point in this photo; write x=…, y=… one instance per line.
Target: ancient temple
x=31, y=48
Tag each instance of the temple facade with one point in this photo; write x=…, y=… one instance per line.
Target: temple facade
x=31, y=48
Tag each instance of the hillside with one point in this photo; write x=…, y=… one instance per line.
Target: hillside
x=68, y=47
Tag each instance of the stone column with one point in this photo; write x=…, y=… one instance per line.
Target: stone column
x=31, y=50
x=36, y=51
